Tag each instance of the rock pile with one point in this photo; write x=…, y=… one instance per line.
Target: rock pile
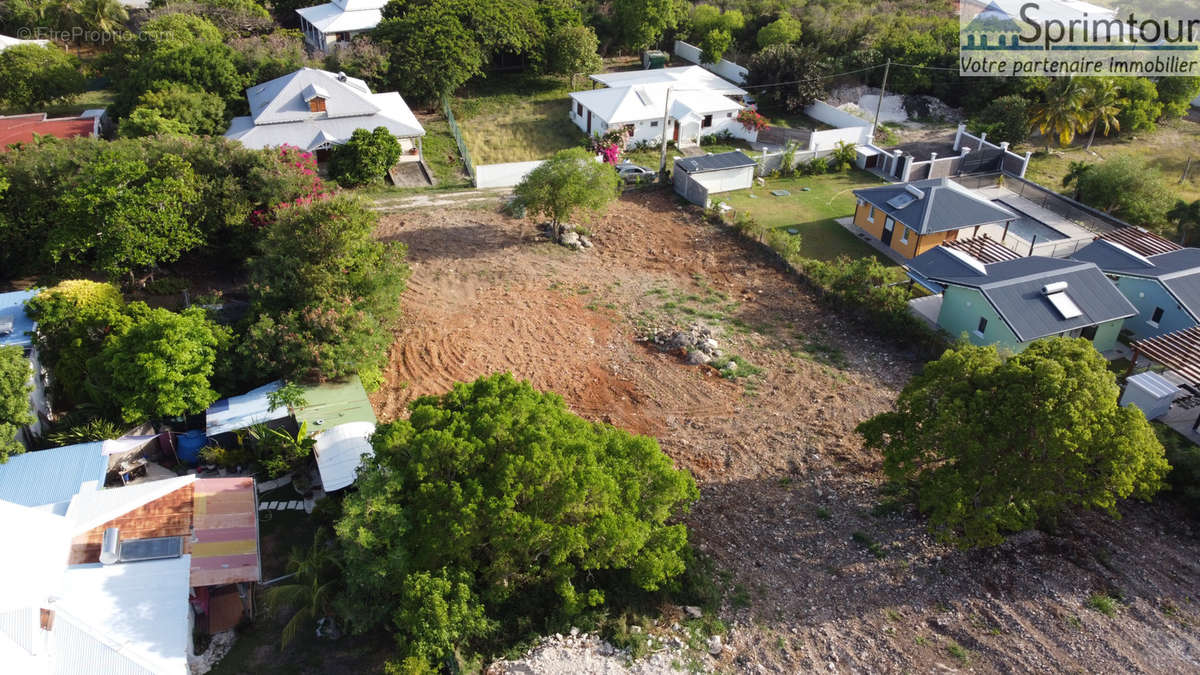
x=584, y=654
x=695, y=344
x=570, y=238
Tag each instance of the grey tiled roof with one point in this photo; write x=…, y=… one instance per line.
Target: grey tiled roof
x=945, y=206
x=1178, y=271
x=1014, y=289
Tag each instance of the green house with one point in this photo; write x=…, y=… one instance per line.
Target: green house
x=1010, y=303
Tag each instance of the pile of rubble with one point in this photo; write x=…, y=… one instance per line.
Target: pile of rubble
x=697, y=345
x=584, y=654
x=570, y=237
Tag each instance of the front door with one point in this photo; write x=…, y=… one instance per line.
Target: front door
x=1088, y=333
x=889, y=226
x=589, y=129
x=676, y=137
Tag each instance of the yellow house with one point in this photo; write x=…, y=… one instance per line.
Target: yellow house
x=913, y=218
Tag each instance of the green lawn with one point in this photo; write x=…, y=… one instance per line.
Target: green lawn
x=1167, y=149
x=812, y=213
x=517, y=117
x=99, y=98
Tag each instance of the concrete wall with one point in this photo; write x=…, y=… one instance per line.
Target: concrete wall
x=823, y=112
x=961, y=310
x=726, y=69
x=503, y=175
x=1146, y=295
x=1011, y=163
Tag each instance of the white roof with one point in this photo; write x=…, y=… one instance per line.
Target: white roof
x=1153, y=383
x=682, y=77
x=115, y=618
x=6, y=42
x=279, y=114
x=622, y=105
x=54, y=475
x=360, y=5
x=239, y=412
x=340, y=451
x=37, y=545
x=89, y=510
x=330, y=18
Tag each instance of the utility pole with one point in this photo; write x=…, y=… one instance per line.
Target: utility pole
x=879, y=106
x=662, y=158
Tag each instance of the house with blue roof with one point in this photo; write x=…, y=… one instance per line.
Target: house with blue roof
x=1013, y=302
x=16, y=330
x=46, y=478
x=1164, y=287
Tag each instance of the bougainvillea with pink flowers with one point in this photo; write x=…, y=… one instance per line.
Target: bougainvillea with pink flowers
x=751, y=120
x=294, y=175
x=610, y=145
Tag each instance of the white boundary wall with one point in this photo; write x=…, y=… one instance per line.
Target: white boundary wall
x=726, y=69
x=503, y=175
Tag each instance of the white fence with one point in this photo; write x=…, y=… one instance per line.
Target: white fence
x=823, y=112
x=726, y=69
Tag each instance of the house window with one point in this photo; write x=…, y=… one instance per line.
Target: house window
x=871, y=214
x=579, y=109
x=1156, y=317
x=316, y=104
x=982, y=328
x=707, y=122
x=1088, y=333
x=654, y=123
x=904, y=236
x=729, y=114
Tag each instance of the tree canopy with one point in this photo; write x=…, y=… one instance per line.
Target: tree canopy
x=781, y=31
x=160, y=366
x=642, y=22
x=992, y=445
x=431, y=52
x=800, y=67
x=494, y=502
x=569, y=181
x=32, y=76
x=15, y=388
x=1127, y=188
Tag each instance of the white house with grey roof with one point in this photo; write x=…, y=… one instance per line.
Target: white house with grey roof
x=1011, y=303
x=339, y=21
x=695, y=102
x=315, y=110
x=1165, y=287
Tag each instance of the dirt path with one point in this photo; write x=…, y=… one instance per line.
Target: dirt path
x=786, y=487
x=424, y=200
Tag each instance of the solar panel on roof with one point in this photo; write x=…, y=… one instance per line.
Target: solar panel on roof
x=1064, y=304
x=155, y=548
x=901, y=201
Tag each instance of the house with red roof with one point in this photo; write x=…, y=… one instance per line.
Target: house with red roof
x=22, y=128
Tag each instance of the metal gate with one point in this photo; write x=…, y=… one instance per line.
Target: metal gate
x=987, y=160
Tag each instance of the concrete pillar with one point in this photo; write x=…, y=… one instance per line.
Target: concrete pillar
x=982, y=139
x=962, y=128
x=932, y=157
x=1025, y=164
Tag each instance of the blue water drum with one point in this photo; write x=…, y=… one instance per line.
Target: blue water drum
x=188, y=445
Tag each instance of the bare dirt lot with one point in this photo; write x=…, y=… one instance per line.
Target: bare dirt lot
x=826, y=581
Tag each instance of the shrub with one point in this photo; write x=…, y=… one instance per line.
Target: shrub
x=32, y=76
x=365, y=158
x=15, y=375
x=1005, y=119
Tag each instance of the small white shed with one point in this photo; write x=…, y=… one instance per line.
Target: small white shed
x=1150, y=392
x=698, y=177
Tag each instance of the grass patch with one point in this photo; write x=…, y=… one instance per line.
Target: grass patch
x=97, y=98
x=812, y=214
x=1166, y=149
x=733, y=367
x=1103, y=603
x=959, y=652
x=516, y=118
x=823, y=513
x=863, y=539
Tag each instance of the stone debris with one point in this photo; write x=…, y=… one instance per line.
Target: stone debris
x=695, y=344
x=584, y=654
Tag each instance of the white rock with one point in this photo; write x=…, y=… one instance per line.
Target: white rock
x=693, y=611
x=714, y=645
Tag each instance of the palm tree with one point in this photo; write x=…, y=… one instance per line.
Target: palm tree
x=1061, y=111
x=1102, y=105
x=1075, y=175
x=316, y=575
x=1184, y=214
x=105, y=16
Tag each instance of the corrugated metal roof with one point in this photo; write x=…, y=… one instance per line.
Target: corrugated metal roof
x=1178, y=271
x=945, y=206
x=127, y=618
x=340, y=451
x=718, y=162
x=239, y=412
x=335, y=403
x=1153, y=383
x=225, y=532
x=55, y=475
x=1014, y=289
x=12, y=309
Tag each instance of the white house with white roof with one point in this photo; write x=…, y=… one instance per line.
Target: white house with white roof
x=315, y=110
x=695, y=102
x=339, y=21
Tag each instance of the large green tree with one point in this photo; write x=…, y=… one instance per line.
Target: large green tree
x=992, y=445
x=1005, y=119
x=193, y=111
x=571, y=50
x=782, y=31
x=568, y=182
x=15, y=388
x=786, y=76
x=493, y=505
x=32, y=76
x=159, y=367
x=125, y=215
x=432, y=53
x=641, y=23
x=1060, y=114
